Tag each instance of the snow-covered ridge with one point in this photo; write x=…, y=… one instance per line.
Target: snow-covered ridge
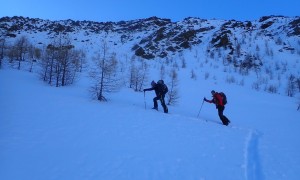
x=157, y=37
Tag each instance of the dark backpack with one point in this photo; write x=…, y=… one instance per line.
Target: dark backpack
x=162, y=86
x=224, y=98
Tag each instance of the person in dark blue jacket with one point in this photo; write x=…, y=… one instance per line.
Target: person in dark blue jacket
x=160, y=90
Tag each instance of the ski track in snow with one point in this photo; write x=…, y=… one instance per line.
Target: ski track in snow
x=253, y=169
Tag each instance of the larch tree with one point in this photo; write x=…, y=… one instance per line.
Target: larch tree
x=2, y=47
x=173, y=95
x=104, y=74
x=138, y=73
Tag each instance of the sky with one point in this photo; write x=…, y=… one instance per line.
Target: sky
x=112, y=10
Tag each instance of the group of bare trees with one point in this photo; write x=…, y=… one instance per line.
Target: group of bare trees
x=138, y=73
x=260, y=59
x=293, y=85
x=2, y=47
x=106, y=75
x=60, y=62
x=21, y=50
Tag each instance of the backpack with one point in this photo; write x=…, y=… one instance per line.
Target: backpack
x=160, y=82
x=224, y=98
x=163, y=87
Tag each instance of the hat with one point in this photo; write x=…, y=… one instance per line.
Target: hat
x=153, y=83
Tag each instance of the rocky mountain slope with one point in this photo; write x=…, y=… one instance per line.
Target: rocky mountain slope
x=156, y=37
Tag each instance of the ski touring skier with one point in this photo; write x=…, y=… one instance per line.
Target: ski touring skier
x=161, y=90
x=218, y=101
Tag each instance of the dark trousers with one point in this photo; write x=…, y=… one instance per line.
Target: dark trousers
x=162, y=101
x=223, y=118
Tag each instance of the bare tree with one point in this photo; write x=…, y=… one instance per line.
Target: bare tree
x=193, y=74
x=291, y=88
x=297, y=82
x=257, y=49
x=206, y=75
x=267, y=49
x=162, y=71
x=34, y=54
x=74, y=63
x=104, y=74
x=132, y=72
x=138, y=73
x=11, y=54
x=81, y=59
x=238, y=50
x=144, y=73
x=173, y=95
x=2, y=47
x=183, y=63
x=21, y=46
x=47, y=64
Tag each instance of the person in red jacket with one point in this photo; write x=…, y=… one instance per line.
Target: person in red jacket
x=218, y=101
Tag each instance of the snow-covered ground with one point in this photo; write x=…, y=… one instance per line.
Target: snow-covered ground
x=51, y=133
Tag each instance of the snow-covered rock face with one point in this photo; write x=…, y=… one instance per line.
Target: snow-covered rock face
x=160, y=38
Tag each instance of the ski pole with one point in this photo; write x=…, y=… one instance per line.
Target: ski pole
x=200, y=109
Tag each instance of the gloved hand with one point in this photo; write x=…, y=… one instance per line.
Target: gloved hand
x=204, y=99
x=144, y=90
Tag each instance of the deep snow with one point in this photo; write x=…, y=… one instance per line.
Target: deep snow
x=60, y=133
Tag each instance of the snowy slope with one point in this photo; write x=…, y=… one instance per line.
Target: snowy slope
x=59, y=133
